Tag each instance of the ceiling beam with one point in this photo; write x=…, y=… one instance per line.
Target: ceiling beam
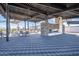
x=74, y=7
x=75, y=12
x=2, y=10
x=23, y=9
x=21, y=16
x=16, y=12
x=25, y=6
x=72, y=13
x=67, y=9
x=54, y=5
x=39, y=11
x=20, y=13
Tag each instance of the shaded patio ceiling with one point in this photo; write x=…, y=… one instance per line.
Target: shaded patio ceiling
x=40, y=11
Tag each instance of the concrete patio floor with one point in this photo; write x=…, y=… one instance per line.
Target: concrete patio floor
x=36, y=45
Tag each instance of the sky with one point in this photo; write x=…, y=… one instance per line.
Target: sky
x=2, y=24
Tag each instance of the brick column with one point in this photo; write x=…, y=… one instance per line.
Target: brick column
x=44, y=28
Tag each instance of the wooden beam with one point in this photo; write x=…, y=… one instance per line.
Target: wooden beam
x=74, y=12
x=23, y=17
x=2, y=10
x=24, y=11
x=68, y=9
x=20, y=13
x=39, y=11
x=54, y=5
x=18, y=16
x=26, y=6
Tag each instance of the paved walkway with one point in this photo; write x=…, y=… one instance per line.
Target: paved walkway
x=41, y=46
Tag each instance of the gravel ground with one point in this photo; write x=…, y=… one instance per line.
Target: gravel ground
x=36, y=45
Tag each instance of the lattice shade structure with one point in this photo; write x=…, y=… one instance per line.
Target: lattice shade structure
x=40, y=11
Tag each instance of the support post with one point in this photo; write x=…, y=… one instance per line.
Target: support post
x=7, y=23
x=35, y=27
x=28, y=25
x=18, y=28
x=25, y=26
